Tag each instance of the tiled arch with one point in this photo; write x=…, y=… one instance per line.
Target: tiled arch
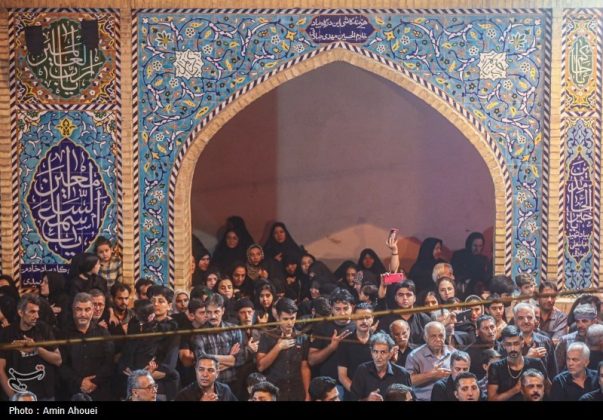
x=184, y=167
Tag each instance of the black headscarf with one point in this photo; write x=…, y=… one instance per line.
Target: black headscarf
x=225, y=257
x=421, y=271
x=378, y=268
x=288, y=248
x=471, y=269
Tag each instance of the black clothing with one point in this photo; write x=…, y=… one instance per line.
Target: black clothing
x=25, y=370
x=565, y=389
x=87, y=359
x=500, y=374
x=193, y=392
x=416, y=322
x=422, y=270
x=285, y=371
x=475, y=352
x=443, y=390
x=366, y=379
x=351, y=354
x=595, y=395
x=325, y=330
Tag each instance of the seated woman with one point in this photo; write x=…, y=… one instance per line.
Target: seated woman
x=229, y=250
x=421, y=272
x=280, y=243
x=369, y=260
x=472, y=269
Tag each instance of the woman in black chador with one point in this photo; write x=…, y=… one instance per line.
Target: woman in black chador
x=430, y=254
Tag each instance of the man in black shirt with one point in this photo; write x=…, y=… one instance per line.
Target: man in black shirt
x=597, y=394
x=87, y=367
x=30, y=368
x=577, y=380
x=372, y=378
x=355, y=350
x=445, y=388
x=283, y=355
x=405, y=298
x=503, y=376
x=486, y=339
x=329, y=334
x=206, y=387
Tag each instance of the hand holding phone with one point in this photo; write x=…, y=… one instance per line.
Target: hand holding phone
x=392, y=278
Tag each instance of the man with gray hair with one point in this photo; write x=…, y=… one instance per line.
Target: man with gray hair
x=577, y=380
x=443, y=390
x=584, y=315
x=536, y=345
x=372, y=378
x=430, y=362
x=141, y=386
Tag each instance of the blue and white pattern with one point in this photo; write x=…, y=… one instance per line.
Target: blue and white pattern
x=492, y=64
x=67, y=185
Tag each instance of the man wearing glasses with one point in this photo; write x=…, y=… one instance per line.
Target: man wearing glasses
x=141, y=386
x=504, y=376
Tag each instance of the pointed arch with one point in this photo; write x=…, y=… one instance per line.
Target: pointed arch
x=184, y=168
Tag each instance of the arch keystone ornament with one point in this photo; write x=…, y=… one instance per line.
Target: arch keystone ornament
x=485, y=71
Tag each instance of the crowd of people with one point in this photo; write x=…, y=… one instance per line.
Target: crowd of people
x=252, y=297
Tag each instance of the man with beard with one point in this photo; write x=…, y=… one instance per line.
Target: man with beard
x=372, y=378
x=87, y=367
x=553, y=321
x=532, y=385
x=227, y=347
x=585, y=315
x=354, y=351
x=503, y=376
x=30, y=368
x=120, y=314
x=206, y=387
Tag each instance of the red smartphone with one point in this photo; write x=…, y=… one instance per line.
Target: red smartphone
x=393, y=233
x=393, y=278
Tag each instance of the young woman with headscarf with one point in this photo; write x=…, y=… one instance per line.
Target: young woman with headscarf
x=280, y=244
x=369, y=260
x=229, y=250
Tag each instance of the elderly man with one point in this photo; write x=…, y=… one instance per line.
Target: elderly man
x=141, y=386
x=430, y=362
x=585, y=315
x=577, y=380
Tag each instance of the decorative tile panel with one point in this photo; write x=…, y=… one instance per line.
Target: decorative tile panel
x=492, y=64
